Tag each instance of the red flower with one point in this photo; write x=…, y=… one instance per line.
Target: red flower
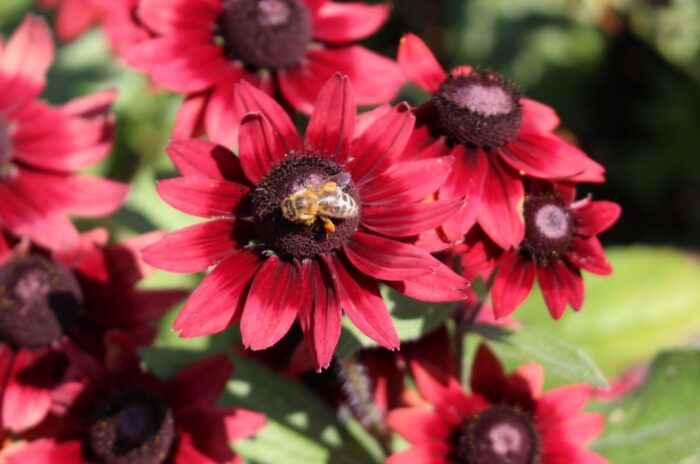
x=122, y=414
x=271, y=267
x=73, y=17
x=288, y=48
x=42, y=146
x=122, y=24
x=505, y=419
x=496, y=137
x=72, y=298
x=560, y=240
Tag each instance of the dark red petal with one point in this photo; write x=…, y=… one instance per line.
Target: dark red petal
x=189, y=121
x=488, y=378
x=388, y=259
x=187, y=453
x=443, y=284
x=315, y=5
x=367, y=119
x=409, y=219
x=500, y=214
x=26, y=398
x=332, y=123
x=259, y=149
x=168, y=17
x=320, y=316
x=419, y=64
x=418, y=425
x=195, y=248
x=595, y=217
x=548, y=157
x=512, y=284
x=425, y=453
x=407, y=182
x=218, y=301
x=553, y=287
x=203, y=197
x=201, y=158
x=363, y=304
x=200, y=384
x=588, y=254
x=349, y=22
x=221, y=116
x=571, y=277
x=381, y=145
x=4, y=249
x=466, y=180
x=538, y=116
x=272, y=305
x=45, y=450
x=252, y=99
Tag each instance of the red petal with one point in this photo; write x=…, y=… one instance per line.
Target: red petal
x=189, y=121
x=442, y=284
x=201, y=158
x=167, y=17
x=410, y=219
x=195, y=248
x=513, y=283
x=332, y=123
x=465, y=180
x=252, y=99
x=418, y=425
x=272, y=305
x=561, y=403
x=538, y=116
x=388, y=259
x=349, y=22
x=571, y=277
x=45, y=450
x=363, y=304
x=242, y=423
x=595, y=217
x=381, y=145
x=367, y=119
x=204, y=197
x=259, y=148
x=217, y=302
x=500, y=214
x=425, y=453
x=487, y=376
x=320, y=316
x=588, y=254
x=200, y=384
x=419, y=64
x=407, y=182
x=221, y=116
x=553, y=287
x=26, y=398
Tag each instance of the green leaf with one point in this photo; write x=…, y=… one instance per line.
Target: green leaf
x=649, y=303
x=554, y=354
x=659, y=422
x=412, y=319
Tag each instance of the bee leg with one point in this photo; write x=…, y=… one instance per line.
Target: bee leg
x=328, y=225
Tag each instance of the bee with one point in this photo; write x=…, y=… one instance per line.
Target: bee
x=322, y=202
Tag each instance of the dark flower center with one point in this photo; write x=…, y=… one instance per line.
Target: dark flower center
x=478, y=109
x=131, y=426
x=297, y=186
x=266, y=33
x=5, y=146
x=497, y=435
x=549, y=227
x=40, y=300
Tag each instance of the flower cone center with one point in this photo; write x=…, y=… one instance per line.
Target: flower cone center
x=548, y=227
x=40, y=301
x=266, y=33
x=478, y=110
x=131, y=426
x=293, y=238
x=497, y=435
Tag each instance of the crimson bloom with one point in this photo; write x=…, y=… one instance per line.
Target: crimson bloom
x=506, y=418
x=271, y=269
x=49, y=303
x=42, y=146
x=288, y=48
x=73, y=17
x=560, y=240
x=495, y=136
x=117, y=413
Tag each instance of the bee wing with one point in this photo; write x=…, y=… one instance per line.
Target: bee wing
x=341, y=180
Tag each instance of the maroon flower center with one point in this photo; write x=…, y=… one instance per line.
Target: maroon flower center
x=40, y=301
x=131, y=426
x=293, y=204
x=549, y=227
x=266, y=33
x=497, y=435
x=478, y=110
x=5, y=146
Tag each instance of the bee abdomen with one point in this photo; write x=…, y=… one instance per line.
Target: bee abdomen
x=339, y=205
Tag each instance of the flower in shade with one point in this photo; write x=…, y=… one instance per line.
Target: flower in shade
x=117, y=413
x=505, y=419
x=560, y=240
x=272, y=269
x=496, y=137
x=290, y=48
x=41, y=145
x=50, y=302
x=73, y=17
